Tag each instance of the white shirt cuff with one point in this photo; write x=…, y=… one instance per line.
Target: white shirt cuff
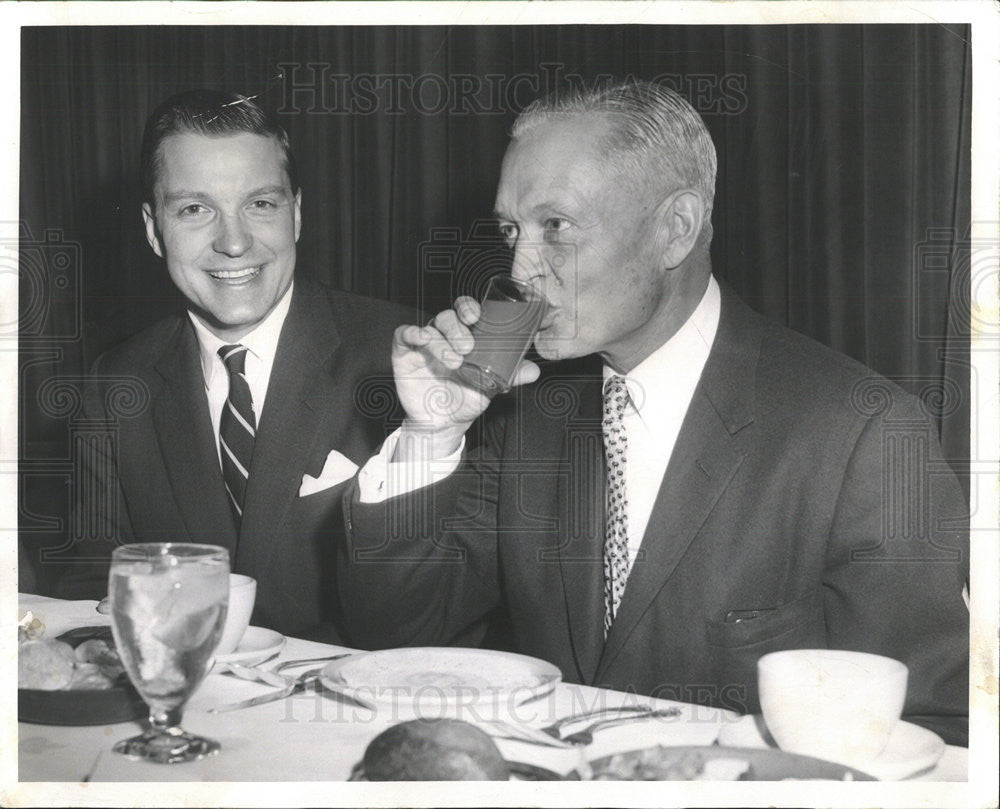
x=380, y=479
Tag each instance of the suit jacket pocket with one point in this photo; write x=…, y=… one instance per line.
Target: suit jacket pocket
x=733, y=649
x=318, y=513
x=771, y=624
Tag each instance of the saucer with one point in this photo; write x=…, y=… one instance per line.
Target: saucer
x=909, y=750
x=257, y=645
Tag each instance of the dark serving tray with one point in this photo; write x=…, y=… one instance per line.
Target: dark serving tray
x=120, y=703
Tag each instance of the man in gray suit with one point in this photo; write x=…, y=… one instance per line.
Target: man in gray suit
x=691, y=488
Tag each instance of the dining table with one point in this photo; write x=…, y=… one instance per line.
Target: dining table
x=317, y=735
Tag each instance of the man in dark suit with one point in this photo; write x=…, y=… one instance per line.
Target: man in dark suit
x=692, y=488
x=249, y=411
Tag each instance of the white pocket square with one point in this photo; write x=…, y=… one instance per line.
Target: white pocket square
x=337, y=469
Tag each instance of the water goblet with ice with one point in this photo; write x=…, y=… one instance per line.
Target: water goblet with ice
x=168, y=607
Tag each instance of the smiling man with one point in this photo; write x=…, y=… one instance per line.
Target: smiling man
x=223, y=213
x=250, y=422
x=689, y=487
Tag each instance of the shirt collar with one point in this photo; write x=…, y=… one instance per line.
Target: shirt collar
x=668, y=376
x=261, y=343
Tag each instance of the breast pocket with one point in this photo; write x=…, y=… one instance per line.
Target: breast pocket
x=770, y=623
x=735, y=647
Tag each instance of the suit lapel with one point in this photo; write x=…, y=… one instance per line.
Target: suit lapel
x=581, y=508
x=704, y=460
x=300, y=393
x=187, y=444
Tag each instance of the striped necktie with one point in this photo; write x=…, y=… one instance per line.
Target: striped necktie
x=237, y=428
x=616, y=398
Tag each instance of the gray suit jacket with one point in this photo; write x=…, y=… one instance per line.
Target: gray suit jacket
x=802, y=486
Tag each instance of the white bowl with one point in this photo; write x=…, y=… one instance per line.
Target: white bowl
x=242, y=594
x=831, y=704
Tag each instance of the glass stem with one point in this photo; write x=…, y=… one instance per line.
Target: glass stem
x=165, y=720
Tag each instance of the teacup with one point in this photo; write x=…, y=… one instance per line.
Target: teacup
x=836, y=705
x=242, y=594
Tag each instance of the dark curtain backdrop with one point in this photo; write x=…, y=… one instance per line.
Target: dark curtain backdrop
x=842, y=206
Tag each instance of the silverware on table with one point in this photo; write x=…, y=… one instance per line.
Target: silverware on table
x=292, y=685
x=621, y=710
x=526, y=734
x=254, y=673
x=289, y=664
x=586, y=736
x=289, y=685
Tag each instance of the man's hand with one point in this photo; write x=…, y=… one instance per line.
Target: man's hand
x=439, y=405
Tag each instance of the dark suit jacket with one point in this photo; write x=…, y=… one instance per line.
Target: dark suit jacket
x=801, y=486
x=330, y=388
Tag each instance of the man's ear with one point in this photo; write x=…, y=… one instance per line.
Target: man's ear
x=152, y=232
x=680, y=219
x=298, y=213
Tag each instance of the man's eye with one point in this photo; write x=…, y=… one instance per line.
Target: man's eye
x=555, y=224
x=508, y=232
x=194, y=209
x=263, y=205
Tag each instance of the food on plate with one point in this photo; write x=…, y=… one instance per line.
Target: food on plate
x=54, y=665
x=29, y=627
x=90, y=677
x=45, y=664
x=442, y=672
x=434, y=750
x=98, y=651
x=671, y=764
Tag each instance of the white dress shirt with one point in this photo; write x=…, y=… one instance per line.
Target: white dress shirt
x=262, y=345
x=660, y=387
x=660, y=390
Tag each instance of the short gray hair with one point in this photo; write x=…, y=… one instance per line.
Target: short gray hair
x=656, y=134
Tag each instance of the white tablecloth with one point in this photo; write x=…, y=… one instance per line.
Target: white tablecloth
x=312, y=737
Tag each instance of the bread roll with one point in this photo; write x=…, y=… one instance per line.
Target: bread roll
x=434, y=750
x=45, y=664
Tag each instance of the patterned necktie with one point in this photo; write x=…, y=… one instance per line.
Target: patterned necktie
x=616, y=498
x=237, y=428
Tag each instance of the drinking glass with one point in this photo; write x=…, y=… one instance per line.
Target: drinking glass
x=511, y=314
x=168, y=607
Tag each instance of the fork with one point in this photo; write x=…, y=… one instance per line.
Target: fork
x=273, y=676
x=525, y=734
x=288, y=664
x=584, y=737
x=292, y=685
x=559, y=724
x=253, y=673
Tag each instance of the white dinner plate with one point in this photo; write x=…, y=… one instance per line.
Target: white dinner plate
x=910, y=748
x=256, y=645
x=441, y=681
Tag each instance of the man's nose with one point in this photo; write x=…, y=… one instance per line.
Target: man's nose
x=233, y=237
x=528, y=265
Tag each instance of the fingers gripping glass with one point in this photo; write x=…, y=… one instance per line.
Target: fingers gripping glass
x=511, y=314
x=168, y=607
